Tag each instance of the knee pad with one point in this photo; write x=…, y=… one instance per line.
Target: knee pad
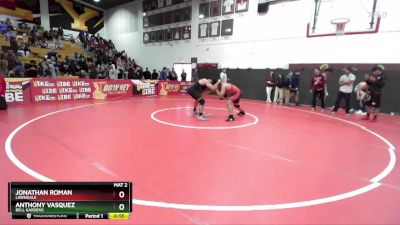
x=236, y=105
x=202, y=101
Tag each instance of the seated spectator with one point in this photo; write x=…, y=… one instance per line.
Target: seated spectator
x=14, y=44
x=43, y=43
x=3, y=103
x=3, y=28
x=58, y=43
x=31, y=69
x=19, y=69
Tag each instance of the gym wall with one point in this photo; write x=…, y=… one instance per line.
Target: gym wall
x=252, y=83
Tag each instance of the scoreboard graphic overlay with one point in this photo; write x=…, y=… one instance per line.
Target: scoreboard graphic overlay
x=70, y=200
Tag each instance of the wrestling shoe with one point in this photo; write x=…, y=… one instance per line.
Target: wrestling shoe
x=241, y=113
x=230, y=119
x=202, y=118
x=194, y=113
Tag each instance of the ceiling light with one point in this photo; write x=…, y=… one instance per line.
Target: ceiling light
x=96, y=0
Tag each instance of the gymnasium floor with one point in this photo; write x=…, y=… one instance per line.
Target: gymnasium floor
x=276, y=165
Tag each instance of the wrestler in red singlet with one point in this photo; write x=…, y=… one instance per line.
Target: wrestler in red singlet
x=233, y=94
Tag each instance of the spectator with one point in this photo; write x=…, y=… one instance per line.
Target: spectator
x=14, y=44
x=58, y=43
x=278, y=95
x=346, y=88
x=361, y=91
x=172, y=75
x=43, y=43
x=223, y=76
x=10, y=60
x=155, y=75
x=147, y=74
x=3, y=28
x=318, y=89
x=60, y=33
x=195, y=75
x=92, y=70
x=131, y=73
x=270, y=85
x=19, y=70
x=3, y=103
x=24, y=49
x=326, y=71
x=113, y=74
x=287, y=81
x=31, y=69
x=375, y=84
x=295, y=87
x=164, y=74
x=183, y=75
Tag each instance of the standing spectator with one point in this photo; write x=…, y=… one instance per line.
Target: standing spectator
x=195, y=75
x=361, y=91
x=164, y=74
x=375, y=84
x=295, y=88
x=147, y=74
x=60, y=33
x=3, y=103
x=131, y=73
x=113, y=73
x=155, y=75
x=270, y=82
x=326, y=71
x=278, y=95
x=346, y=88
x=318, y=89
x=287, y=82
x=173, y=75
x=223, y=76
x=10, y=60
x=183, y=75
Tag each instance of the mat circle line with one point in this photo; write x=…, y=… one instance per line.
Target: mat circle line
x=153, y=116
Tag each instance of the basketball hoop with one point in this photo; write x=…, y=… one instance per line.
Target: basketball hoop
x=340, y=24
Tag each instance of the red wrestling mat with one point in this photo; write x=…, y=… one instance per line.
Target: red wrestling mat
x=276, y=165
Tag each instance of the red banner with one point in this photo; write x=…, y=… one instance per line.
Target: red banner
x=78, y=89
x=173, y=87
x=147, y=87
x=18, y=90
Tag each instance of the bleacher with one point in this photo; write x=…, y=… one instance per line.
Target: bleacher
x=69, y=49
